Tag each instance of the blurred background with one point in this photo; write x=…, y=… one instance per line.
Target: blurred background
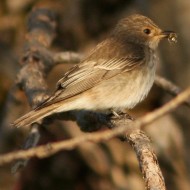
x=110, y=165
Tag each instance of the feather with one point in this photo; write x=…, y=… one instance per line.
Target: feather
x=87, y=76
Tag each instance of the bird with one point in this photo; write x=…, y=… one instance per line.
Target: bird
x=118, y=74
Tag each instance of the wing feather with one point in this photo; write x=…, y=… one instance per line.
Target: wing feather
x=88, y=74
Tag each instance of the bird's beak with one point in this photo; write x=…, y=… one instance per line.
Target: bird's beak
x=170, y=35
x=166, y=34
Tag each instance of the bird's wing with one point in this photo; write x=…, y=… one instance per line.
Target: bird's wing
x=88, y=74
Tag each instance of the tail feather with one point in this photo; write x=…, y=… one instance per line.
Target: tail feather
x=33, y=116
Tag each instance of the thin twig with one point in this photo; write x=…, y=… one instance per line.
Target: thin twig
x=31, y=141
x=169, y=87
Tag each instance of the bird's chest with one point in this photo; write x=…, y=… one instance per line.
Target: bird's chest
x=143, y=79
x=132, y=87
x=151, y=58
x=126, y=89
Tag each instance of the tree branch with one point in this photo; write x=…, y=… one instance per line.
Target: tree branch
x=37, y=62
x=169, y=87
x=147, y=160
x=121, y=125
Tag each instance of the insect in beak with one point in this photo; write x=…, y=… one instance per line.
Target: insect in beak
x=170, y=35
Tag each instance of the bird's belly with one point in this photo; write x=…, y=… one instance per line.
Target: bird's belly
x=123, y=91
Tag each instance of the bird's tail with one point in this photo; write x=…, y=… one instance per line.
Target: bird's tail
x=34, y=116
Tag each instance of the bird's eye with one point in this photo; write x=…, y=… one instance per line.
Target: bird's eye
x=147, y=31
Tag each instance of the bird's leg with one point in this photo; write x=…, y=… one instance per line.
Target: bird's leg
x=121, y=113
x=117, y=115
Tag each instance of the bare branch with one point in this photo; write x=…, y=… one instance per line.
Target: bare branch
x=37, y=62
x=147, y=160
x=146, y=156
x=36, y=59
x=168, y=107
x=31, y=141
x=169, y=87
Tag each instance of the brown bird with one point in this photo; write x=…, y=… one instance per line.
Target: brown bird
x=117, y=74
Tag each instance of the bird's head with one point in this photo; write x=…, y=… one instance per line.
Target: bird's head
x=141, y=30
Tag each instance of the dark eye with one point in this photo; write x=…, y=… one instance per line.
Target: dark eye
x=147, y=31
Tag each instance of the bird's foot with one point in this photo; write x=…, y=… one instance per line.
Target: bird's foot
x=115, y=114
x=121, y=114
